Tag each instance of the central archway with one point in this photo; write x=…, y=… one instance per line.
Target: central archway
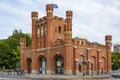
x=59, y=64
x=42, y=64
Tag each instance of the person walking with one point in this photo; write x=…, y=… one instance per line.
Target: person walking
x=39, y=71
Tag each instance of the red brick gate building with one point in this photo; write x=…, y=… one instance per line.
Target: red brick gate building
x=55, y=52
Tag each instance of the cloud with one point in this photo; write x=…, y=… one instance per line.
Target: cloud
x=15, y=17
x=29, y=2
x=92, y=18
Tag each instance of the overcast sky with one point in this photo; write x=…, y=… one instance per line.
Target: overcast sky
x=92, y=18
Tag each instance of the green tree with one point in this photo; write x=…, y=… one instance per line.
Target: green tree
x=5, y=55
x=17, y=34
x=12, y=42
x=115, y=61
x=10, y=49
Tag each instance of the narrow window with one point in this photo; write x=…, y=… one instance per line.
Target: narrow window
x=59, y=29
x=65, y=28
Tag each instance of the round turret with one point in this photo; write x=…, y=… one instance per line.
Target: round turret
x=49, y=10
x=108, y=39
x=22, y=41
x=34, y=15
x=69, y=14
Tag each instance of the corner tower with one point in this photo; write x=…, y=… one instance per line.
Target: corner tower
x=34, y=16
x=68, y=28
x=68, y=44
x=22, y=51
x=49, y=10
x=49, y=16
x=108, y=39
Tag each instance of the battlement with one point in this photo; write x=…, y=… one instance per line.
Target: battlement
x=58, y=18
x=79, y=41
x=42, y=19
x=55, y=18
x=61, y=19
x=84, y=42
x=28, y=48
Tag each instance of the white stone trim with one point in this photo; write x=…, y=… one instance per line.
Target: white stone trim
x=34, y=18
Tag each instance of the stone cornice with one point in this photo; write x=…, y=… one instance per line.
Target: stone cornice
x=61, y=46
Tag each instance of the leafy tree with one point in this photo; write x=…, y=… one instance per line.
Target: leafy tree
x=12, y=42
x=5, y=55
x=17, y=34
x=115, y=61
x=10, y=49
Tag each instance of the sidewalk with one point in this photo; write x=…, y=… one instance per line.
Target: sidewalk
x=54, y=76
x=65, y=76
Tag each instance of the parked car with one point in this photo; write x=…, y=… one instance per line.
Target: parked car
x=115, y=74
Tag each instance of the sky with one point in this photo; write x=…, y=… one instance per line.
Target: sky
x=91, y=18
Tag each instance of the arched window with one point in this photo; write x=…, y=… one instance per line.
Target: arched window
x=59, y=29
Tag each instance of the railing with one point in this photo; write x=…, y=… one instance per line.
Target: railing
x=18, y=72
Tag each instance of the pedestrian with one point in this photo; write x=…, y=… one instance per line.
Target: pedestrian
x=22, y=72
x=38, y=71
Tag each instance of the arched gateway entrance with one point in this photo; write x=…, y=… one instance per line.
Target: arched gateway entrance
x=59, y=64
x=42, y=64
x=29, y=61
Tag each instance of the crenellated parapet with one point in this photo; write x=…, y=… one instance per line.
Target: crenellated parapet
x=61, y=19
x=42, y=19
x=28, y=49
x=56, y=18
x=82, y=42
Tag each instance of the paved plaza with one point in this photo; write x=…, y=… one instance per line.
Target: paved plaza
x=53, y=77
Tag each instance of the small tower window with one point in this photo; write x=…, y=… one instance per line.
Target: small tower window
x=65, y=28
x=59, y=29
